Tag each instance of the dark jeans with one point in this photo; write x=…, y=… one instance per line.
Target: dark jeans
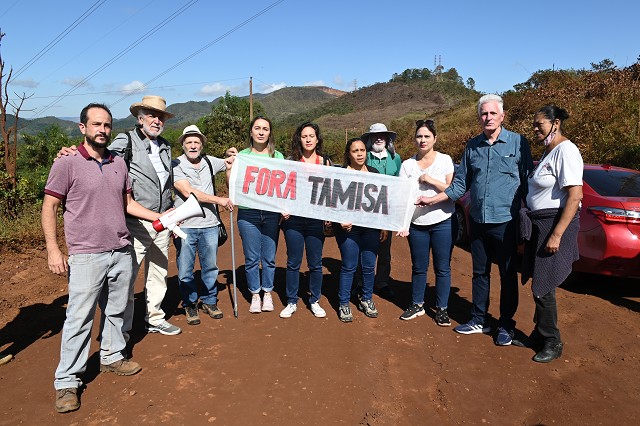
x=360, y=244
x=546, y=317
x=259, y=231
x=439, y=239
x=494, y=241
x=301, y=232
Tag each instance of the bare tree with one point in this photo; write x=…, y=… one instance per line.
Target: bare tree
x=9, y=131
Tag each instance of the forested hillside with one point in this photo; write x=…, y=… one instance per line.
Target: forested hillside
x=603, y=103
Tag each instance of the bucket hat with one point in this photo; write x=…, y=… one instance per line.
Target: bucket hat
x=192, y=130
x=379, y=128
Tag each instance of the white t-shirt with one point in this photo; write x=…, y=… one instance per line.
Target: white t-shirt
x=154, y=156
x=439, y=169
x=560, y=168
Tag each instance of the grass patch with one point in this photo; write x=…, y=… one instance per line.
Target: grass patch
x=23, y=231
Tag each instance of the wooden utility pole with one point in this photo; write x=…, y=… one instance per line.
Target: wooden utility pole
x=250, y=98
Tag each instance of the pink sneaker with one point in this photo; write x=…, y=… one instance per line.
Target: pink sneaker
x=255, y=304
x=267, y=302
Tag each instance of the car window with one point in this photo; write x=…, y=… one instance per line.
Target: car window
x=613, y=183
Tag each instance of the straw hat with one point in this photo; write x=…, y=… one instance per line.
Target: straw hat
x=192, y=130
x=153, y=103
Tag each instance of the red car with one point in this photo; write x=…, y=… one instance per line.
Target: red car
x=609, y=237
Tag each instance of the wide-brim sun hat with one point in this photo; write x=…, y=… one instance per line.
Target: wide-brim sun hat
x=379, y=128
x=152, y=103
x=192, y=130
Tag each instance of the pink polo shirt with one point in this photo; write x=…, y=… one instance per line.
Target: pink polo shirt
x=92, y=194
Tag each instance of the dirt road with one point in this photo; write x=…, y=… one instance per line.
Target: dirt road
x=261, y=369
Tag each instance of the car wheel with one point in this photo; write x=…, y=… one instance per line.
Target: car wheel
x=461, y=234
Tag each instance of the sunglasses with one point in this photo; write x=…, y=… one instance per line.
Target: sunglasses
x=420, y=123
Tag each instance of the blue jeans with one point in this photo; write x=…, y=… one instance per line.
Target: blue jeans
x=94, y=279
x=360, y=244
x=498, y=241
x=298, y=232
x=204, y=241
x=259, y=231
x=437, y=237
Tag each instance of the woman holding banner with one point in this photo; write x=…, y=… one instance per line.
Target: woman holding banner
x=301, y=232
x=259, y=229
x=357, y=244
x=430, y=227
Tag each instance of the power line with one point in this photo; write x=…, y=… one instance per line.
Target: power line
x=177, y=64
x=9, y=8
x=113, y=29
x=115, y=58
x=60, y=36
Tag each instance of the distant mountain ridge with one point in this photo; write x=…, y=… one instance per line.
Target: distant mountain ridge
x=278, y=105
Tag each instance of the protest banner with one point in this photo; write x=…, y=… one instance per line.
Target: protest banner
x=323, y=192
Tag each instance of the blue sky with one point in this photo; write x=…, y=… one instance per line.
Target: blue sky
x=209, y=47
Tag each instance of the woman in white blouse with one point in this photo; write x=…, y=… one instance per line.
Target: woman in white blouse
x=431, y=227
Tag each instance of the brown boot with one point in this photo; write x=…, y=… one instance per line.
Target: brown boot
x=122, y=367
x=67, y=400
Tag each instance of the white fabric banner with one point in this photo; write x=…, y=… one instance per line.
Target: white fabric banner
x=323, y=192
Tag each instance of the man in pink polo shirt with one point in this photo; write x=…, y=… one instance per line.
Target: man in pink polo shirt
x=95, y=192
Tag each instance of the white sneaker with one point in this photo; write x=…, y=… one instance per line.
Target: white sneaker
x=267, y=302
x=255, y=304
x=317, y=310
x=288, y=310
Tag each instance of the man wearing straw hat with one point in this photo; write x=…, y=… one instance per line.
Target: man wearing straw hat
x=194, y=172
x=382, y=156
x=149, y=158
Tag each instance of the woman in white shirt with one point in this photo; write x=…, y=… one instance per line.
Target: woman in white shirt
x=431, y=227
x=553, y=201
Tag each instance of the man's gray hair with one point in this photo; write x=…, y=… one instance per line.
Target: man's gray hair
x=491, y=98
x=142, y=112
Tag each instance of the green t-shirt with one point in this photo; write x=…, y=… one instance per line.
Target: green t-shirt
x=276, y=154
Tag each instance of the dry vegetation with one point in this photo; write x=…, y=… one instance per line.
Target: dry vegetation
x=604, y=105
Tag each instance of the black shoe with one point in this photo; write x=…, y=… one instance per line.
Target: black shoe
x=212, y=310
x=551, y=351
x=413, y=311
x=192, y=315
x=442, y=317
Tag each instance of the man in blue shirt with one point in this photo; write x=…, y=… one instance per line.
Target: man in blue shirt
x=494, y=168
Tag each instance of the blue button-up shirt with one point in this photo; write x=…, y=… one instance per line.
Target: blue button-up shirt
x=496, y=176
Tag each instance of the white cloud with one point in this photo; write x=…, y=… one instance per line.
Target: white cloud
x=76, y=82
x=134, y=87
x=315, y=83
x=215, y=89
x=268, y=88
x=338, y=81
x=27, y=82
